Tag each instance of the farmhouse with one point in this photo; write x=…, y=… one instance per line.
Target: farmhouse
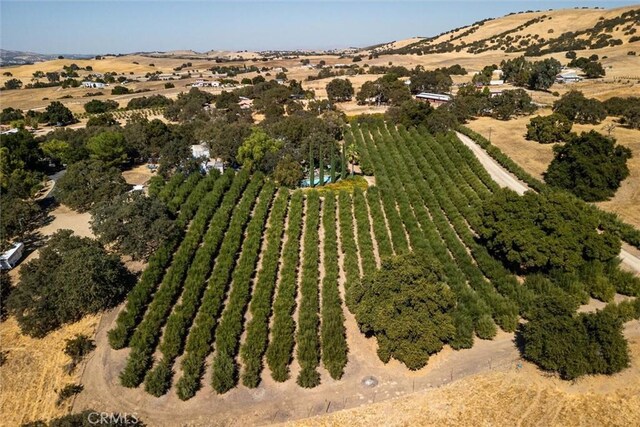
x=435, y=99
x=201, y=151
x=205, y=83
x=10, y=258
x=497, y=82
x=94, y=85
x=568, y=77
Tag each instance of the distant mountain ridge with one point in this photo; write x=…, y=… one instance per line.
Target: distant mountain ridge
x=16, y=57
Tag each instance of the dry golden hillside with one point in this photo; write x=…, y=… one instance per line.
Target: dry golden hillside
x=557, y=30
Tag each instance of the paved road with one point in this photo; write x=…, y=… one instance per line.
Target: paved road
x=505, y=179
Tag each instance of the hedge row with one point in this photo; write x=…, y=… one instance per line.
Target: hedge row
x=394, y=220
x=609, y=221
x=347, y=240
x=280, y=349
x=363, y=225
x=255, y=345
x=145, y=337
x=332, y=331
x=141, y=294
x=225, y=368
x=169, y=189
x=183, y=191
x=202, y=332
x=307, y=337
x=158, y=380
x=379, y=225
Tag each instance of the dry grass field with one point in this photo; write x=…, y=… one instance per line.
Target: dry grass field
x=513, y=397
x=509, y=136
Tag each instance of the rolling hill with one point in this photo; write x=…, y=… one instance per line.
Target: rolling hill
x=532, y=33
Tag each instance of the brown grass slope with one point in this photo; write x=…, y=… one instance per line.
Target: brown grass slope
x=526, y=28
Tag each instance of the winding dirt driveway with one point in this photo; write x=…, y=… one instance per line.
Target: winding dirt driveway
x=506, y=179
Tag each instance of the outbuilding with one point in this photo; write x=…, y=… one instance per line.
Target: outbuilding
x=10, y=258
x=435, y=99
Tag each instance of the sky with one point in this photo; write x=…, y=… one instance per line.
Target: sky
x=100, y=27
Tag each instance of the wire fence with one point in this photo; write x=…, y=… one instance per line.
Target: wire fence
x=389, y=390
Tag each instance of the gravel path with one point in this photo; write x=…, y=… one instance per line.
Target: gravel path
x=506, y=179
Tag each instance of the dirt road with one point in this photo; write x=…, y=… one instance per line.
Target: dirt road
x=505, y=179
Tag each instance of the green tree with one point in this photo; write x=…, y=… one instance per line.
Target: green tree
x=557, y=339
x=339, y=90
x=543, y=74
x=511, y=103
x=10, y=114
x=57, y=114
x=72, y=277
x=590, y=165
x=593, y=70
x=12, y=84
x=430, y=81
x=120, y=90
x=109, y=147
x=56, y=150
x=95, y=106
x=288, y=172
x=547, y=129
x=87, y=183
x=574, y=106
x=133, y=224
x=255, y=147
x=542, y=232
x=407, y=306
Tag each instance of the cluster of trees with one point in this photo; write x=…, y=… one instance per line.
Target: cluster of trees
x=386, y=90
x=95, y=106
x=339, y=90
x=547, y=129
x=471, y=102
x=407, y=306
x=543, y=232
x=72, y=277
x=134, y=224
x=579, y=109
x=537, y=75
x=589, y=66
x=628, y=109
x=558, y=339
x=590, y=165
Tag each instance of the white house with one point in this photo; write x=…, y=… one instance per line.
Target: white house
x=201, y=151
x=568, y=77
x=435, y=99
x=497, y=82
x=94, y=85
x=10, y=258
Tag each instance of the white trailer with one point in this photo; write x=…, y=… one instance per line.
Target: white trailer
x=10, y=258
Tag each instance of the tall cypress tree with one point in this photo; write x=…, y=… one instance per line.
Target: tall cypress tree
x=321, y=167
x=343, y=170
x=333, y=163
x=311, y=166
